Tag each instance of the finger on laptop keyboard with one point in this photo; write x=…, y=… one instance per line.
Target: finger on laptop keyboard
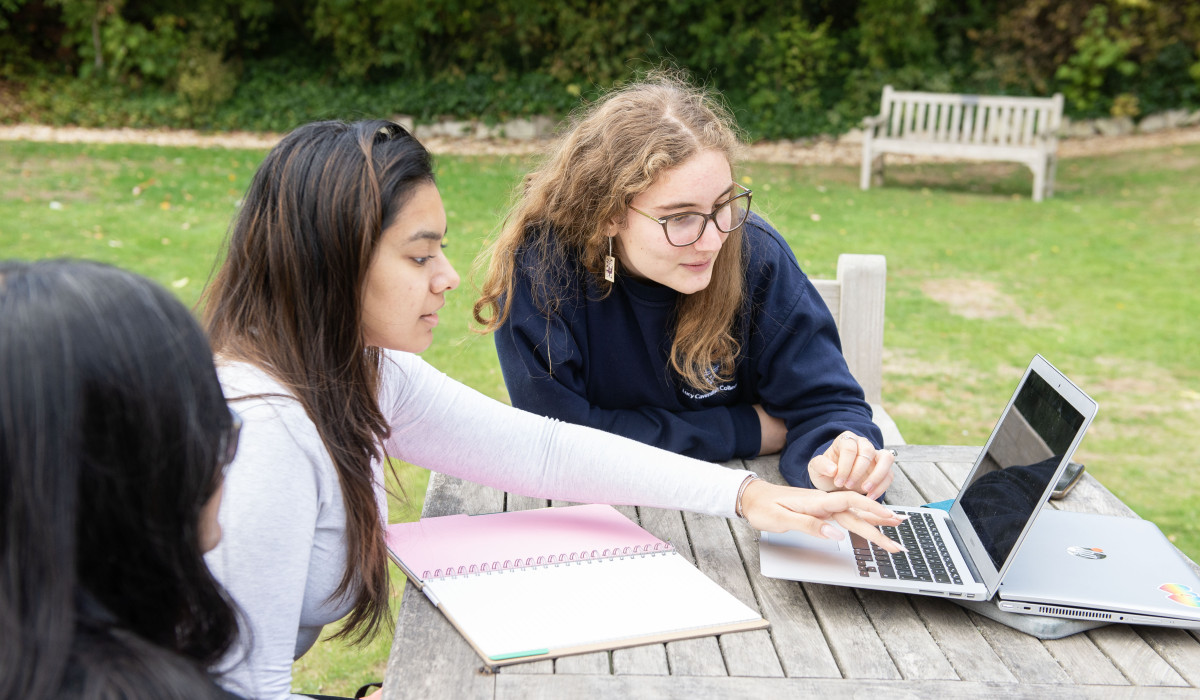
x=859, y=526
x=876, y=520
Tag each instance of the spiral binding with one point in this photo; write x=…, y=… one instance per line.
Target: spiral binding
x=547, y=560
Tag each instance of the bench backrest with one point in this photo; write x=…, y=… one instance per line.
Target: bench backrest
x=974, y=119
x=856, y=300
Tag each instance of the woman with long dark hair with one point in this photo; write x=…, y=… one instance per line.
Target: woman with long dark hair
x=113, y=437
x=332, y=281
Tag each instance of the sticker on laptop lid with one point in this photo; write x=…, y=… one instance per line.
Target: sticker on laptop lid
x=1182, y=594
x=1086, y=552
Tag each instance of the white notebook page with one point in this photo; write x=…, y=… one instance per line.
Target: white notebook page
x=566, y=605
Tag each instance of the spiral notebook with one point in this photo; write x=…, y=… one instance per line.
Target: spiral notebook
x=535, y=584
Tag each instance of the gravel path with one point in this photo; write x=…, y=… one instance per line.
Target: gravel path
x=804, y=152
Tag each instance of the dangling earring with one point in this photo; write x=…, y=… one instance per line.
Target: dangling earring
x=610, y=264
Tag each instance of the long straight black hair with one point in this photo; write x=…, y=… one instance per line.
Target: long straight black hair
x=111, y=425
x=288, y=299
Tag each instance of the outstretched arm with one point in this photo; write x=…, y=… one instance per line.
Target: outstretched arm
x=443, y=425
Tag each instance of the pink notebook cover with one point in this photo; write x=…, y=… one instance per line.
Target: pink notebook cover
x=462, y=544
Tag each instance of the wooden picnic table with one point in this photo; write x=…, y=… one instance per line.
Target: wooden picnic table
x=823, y=640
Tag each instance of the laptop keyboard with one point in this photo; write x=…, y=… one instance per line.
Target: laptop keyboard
x=927, y=558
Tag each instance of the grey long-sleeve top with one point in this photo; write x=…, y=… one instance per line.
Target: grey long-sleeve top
x=283, y=548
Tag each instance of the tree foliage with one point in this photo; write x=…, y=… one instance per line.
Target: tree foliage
x=790, y=69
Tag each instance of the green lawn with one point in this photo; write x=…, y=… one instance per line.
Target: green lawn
x=1101, y=280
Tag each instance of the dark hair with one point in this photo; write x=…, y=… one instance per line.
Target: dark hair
x=288, y=299
x=111, y=419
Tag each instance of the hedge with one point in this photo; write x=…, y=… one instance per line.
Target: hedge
x=789, y=69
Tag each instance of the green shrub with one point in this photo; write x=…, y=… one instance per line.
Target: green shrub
x=204, y=79
x=1097, y=52
x=790, y=70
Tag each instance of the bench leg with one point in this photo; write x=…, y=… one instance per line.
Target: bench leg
x=1051, y=175
x=864, y=177
x=1039, y=179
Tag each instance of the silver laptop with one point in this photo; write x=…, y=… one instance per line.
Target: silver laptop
x=962, y=553
x=1100, y=567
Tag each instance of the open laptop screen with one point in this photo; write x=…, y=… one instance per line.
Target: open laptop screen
x=1022, y=458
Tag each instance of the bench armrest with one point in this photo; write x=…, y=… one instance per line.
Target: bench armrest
x=873, y=122
x=887, y=426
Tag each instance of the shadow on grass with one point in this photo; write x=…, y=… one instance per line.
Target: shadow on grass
x=990, y=179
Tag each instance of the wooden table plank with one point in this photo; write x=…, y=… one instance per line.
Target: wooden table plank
x=750, y=654
x=649, y=660
x=902, y=492
x=854, y=642
x=956, y=472
x=667, y=525
x=960, y=640
x=1090, y=496
x=1084, y=662
x=1136, y=659
x=517, y=502
x=937, y=453
x=743, y=653
x=1178, y=648
x=912, y=648
x=594, y=664
x=543, y=667
x=717, y=555
x=714, y=554
x=730, y=688
x=799, y=643
x=931, y=482
x=437, y=662
x=696, y=657
x=1026, y=656
x=447, y=495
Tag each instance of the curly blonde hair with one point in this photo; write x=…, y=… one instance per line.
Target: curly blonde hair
x=613, y=150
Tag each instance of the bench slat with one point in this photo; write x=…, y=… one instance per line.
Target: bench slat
x=965, y=151
x=968, y=125
x=948, y=98
x=947, y=117
x=894, y=111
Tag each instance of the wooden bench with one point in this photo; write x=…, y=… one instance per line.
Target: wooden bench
x=973, y=127
x=856, y=300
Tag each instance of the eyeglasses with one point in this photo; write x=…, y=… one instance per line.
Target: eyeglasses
x=687, y=227
x=229, y=441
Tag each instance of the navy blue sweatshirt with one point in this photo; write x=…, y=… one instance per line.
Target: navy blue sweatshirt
x=605, y=363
